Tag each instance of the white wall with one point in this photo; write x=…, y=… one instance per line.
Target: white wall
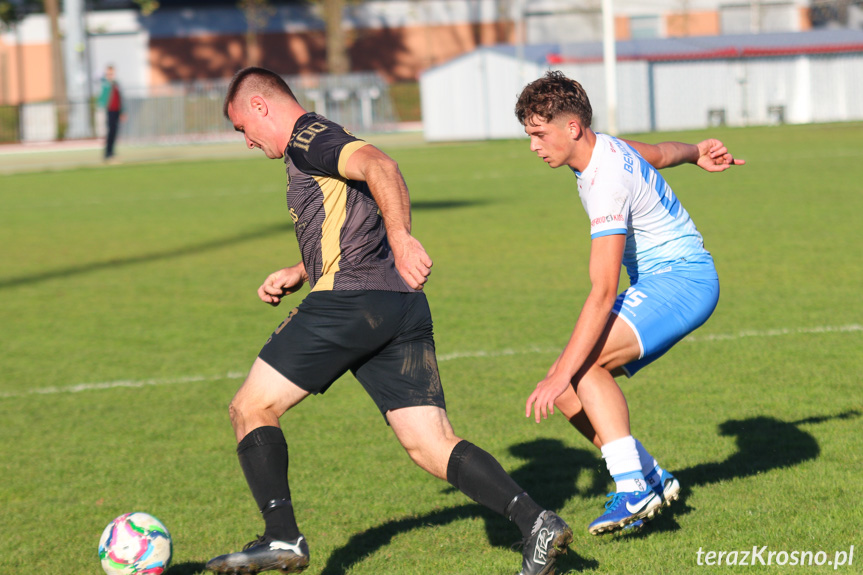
x=632, y=94
x=117, y=38
x=812, y=88
x=473, y=97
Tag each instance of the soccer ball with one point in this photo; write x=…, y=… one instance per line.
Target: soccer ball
x=135, y=544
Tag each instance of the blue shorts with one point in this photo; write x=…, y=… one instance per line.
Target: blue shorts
x=662, y=308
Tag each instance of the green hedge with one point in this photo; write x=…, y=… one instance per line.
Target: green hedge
x=406, y=100
x=9, y=116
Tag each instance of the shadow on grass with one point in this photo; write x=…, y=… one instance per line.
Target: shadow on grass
x=70, y=271
x=195, y=249
x=552, y=469
x=422, y=205
x=763, y=444
x=188, y=568
x=549, y=475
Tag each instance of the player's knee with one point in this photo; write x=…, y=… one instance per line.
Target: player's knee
x=428, y=459
x=234, y=412
x=415, y=453
x=568, y=404
x=240, y=408
x=431, y=450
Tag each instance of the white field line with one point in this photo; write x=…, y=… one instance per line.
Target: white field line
x=775, y=332
x=122, y=383
x=498, y=353
x=441, y=358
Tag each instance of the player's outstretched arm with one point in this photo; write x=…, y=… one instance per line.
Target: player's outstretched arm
x=281, y=283
x=390, y=191
x=710, y=155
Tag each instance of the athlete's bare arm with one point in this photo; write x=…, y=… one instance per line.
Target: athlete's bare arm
x=710, y=155
x=606, y=255
x=370, y=165
x=281, y=283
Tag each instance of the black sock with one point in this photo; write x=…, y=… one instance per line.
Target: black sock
x=523, y=511
x=478, y=475
x=263, y=455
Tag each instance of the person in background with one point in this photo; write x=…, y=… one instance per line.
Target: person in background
x=111, y=100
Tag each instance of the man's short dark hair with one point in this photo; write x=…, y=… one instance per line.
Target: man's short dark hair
x=262, y=80
x=551, y=96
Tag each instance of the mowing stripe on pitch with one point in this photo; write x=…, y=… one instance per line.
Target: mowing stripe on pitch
x=441, y=358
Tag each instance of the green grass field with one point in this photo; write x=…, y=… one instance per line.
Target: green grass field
x=128, y=317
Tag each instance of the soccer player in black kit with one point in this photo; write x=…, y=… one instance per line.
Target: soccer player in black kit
x=365, y=313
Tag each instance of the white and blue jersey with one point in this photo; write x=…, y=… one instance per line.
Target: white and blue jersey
x=674, y=286
x=623, y=194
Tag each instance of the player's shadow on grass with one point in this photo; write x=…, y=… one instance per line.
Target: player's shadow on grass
x=552, y=471
x=763, y=444
x=550, y=475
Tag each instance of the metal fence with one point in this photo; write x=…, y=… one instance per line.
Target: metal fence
x=193, y=111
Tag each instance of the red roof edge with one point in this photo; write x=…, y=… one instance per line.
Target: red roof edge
x=720, y=53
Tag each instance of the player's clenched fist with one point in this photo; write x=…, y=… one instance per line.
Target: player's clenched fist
x=281, y=283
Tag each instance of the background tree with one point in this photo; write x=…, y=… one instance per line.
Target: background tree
x=338, y=61
x=147, y=7
x=258, y=14
x=11, y=14
x=58, y=72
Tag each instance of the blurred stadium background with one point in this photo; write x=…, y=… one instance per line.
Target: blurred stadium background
x=451, y=68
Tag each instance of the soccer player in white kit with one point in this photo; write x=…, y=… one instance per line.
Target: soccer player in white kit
x=635, y=221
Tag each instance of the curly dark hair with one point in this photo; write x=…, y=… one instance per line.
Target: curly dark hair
x=551, y=96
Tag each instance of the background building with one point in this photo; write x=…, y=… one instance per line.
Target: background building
x=663, y=84
x=185, y=43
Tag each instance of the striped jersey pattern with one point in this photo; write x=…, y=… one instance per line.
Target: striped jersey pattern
x=339, y=228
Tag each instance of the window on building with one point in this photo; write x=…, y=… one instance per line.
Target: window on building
x=757, y=17
x=645, y=26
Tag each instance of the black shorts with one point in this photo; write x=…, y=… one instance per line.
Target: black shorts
x=384, y=338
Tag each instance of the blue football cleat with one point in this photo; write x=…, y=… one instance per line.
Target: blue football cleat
x=625, y=508
x=667, y=488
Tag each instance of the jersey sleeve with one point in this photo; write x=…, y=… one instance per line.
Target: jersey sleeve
x=608, y=208
x=322, y=148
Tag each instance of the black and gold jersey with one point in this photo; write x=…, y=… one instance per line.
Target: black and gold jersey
x=340, y=230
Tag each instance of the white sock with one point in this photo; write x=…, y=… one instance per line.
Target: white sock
x=649, y=466
x=621, y=458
